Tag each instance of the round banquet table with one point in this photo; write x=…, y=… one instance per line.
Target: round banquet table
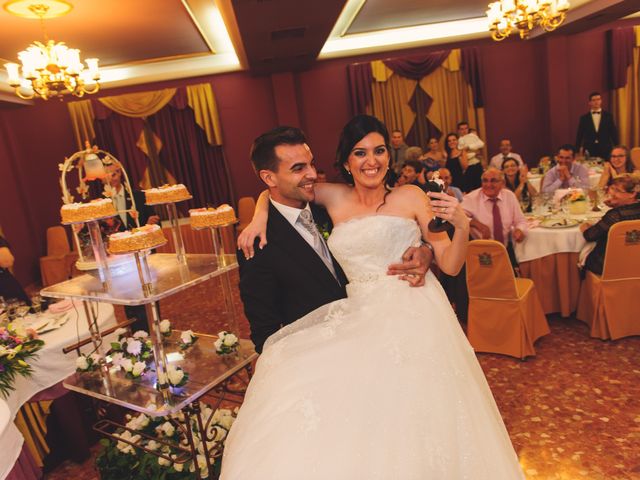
x=49, y=369
x=549, y=256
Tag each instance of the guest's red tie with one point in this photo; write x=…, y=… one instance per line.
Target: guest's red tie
x=497, y=222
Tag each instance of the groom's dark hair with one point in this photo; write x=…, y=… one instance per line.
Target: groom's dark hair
x=263, y=150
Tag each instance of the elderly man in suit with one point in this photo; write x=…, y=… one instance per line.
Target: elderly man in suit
x=597, y=132
x=295, y=273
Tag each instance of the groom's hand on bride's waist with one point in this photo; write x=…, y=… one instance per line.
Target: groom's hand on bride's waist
x=415, y=265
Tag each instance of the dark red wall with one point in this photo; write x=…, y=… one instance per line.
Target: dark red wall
x=534, y=93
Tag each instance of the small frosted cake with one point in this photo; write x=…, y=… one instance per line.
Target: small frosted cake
x=84, y=212
x=149, y=236
x=212, y=217
x=166, y=194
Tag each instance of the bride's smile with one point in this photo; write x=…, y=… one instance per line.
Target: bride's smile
x=369, y=160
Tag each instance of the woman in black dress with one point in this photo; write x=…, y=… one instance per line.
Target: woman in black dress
x=456, y=161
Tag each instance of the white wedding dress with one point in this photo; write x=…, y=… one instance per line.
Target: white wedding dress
x=382, y=385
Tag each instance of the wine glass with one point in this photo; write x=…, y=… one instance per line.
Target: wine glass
x=524, y=204
x=12, y=308
x=36, y=304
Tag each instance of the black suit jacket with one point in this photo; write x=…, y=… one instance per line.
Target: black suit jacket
x=144, y=211
x=600, y=143
x=285, y=280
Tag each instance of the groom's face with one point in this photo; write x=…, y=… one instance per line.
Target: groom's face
x=293, y=181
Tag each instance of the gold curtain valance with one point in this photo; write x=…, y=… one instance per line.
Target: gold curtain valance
x=139, y=105
x=203, y=103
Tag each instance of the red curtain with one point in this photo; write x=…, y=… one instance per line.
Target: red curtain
x=360, y=80
x=185, y=152
x=620, y=43
x=417, y=67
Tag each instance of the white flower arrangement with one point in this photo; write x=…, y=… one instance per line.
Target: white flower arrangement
x=139, y=346
x=122, y=460
x=226, y=343
x=165, y=328
x=175, y=376
x=87, y=363
x=125, y=447
x=187, y=339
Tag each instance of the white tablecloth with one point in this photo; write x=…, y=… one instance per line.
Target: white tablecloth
x=52, y=365
x=541, y=242
x=535, y=179
x=10, y=440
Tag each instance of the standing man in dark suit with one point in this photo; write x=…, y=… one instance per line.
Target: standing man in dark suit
x=295, y=272
x=597, y=132
x=123, y=203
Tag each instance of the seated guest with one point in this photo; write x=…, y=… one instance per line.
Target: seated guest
x=505, y=152
x=445, y=176
x=434, y=158
x=516, y=180
x=623, y=195
x=9, y=286
x=411, y=173
x=494, y=210
x=567, y=173
x=619, y=163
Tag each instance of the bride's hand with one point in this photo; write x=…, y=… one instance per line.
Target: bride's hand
x=247, y=238
x=448, y=208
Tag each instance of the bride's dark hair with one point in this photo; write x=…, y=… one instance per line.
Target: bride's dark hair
x=358, y=127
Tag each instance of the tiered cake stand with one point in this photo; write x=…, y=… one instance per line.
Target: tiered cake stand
x=155, y=277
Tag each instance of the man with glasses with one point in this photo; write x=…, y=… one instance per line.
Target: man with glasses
x=494, y=210
x=566, y=173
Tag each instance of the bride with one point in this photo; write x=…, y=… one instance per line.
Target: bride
x=382, y=384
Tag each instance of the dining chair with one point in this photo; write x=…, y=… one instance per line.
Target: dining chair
x=246, y=206
x=505, y=314
x=634, y=155
x=609, y=303
x=57, y=265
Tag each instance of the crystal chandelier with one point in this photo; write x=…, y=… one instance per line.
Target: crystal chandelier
x=50, y=69
x=506, y=16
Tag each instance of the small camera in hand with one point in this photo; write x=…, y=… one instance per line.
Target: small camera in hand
x=436, y=184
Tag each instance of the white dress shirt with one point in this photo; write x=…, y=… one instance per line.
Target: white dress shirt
x=472, y=143
x=121, y=204
x=292, y=214
x=480, y=207
x=596, y=119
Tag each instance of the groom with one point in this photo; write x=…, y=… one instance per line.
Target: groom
x=295, y=272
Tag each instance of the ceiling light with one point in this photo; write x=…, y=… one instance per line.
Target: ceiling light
x=505, y=16
x=51, y=68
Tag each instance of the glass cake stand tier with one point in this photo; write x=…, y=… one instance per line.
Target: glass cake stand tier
x=168, y=276
x=207, y=370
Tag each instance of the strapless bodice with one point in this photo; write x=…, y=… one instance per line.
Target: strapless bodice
x=366, y=246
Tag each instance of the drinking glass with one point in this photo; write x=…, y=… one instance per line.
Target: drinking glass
x=36, y=304
x=12, y=308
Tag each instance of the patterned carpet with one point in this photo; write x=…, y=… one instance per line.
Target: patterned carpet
x=573, y=411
